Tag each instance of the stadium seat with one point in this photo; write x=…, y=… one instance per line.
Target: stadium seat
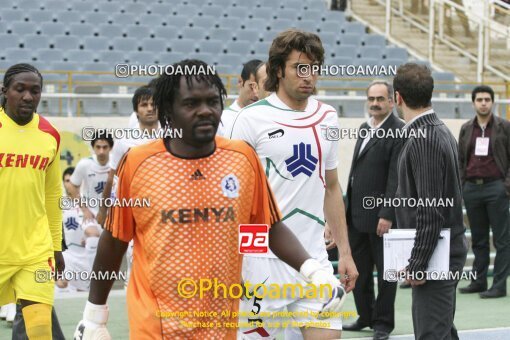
x=125, y=44
x=141, y=57
x=329, y=40
x=112, y=57
x=235, y=13
x=176, y=22
x=64, y=66
x=306, y=25
x=211, y=46
x=50, y=55
x=186, y=46
x=156, y=45
x=351, y=39
x=109, y=31
x=445, y=110
x=96, y=18
x=346, y=51
x=233, y=24
x=233, y=60
x=81, y=56
x=263, y=12
x=7, y=41
x=192, y=33
x=139, y=32
x=395, y=53
x=70, y=18
x=208, y=58
x=160, y=8
x=238, y=47
x=204, y=22
x=107, y=7
x=370, y=52
x=247, y=35
x=280, y=25
x=335, y=16
x=33, y=42
x=330, y=27
x=215, y=11
x=353, y=27
x=220, y=34
x=136, y=8
x=22, y=28
x=17, y=55
x=286, y=14
x=186, y=10
x=96, y=67
x=123, y=19
x=64, y=43
x=374, y=40
x=96, y=43
x=11, y=15
x=83, y=7
x=312, y=14
x=37, y=17
x=81, y=30
x=352, y=108
x=261, y=47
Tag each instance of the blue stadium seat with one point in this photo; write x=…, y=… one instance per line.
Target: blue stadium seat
x=335, y=16
x=123, y=19
x=351, y=39
x=36, y=16
x=185, y=10
x=394, y=61
x=247, y=35
x=239, y=47
x=340, y=61
x=82, y=30
x=96, y=18
x=312, y=14
x=7, y=41
x=374, y=40
x=370, y=52
x=67, y=43
x=204, y=22
x=220, y=34
x=34, y=42
x=211, y=46
x=48, y=55
x=125, y=44
x=395, y=53
x=64, y=66
x=177, y=22
x=261, y=48
x=141, y=57
x=139, y=32
x=105, y=7
x=83, y=7
x=255, y=22
x=235, y=13
x=329, y=39
x=215, y=11
x=353, y=27
x=96, y=67
x=70, y=17
x=160, y=7
x=186, y=46
x=192, y=33
x=80, y=56
x=233, y=60
x=330, y=27
x=112, y=57
x=208, y=58
x=11, y=15
x=136, y=8
x=445, y=110
x=109, y=31
x=96, y=43
x=53, y=29
x=286, y=14
x=307, y=25
x=263, y=13
x=345, y=51
x=231, y=23
x=17, y=56
x=23, y=28
x=153, y=20
x=157, y=45
x=280, y=25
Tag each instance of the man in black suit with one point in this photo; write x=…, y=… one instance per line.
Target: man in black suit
x=428, y=169
x=373, y=174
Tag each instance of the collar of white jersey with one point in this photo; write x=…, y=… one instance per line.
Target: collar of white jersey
x=235, y=106
x=274, y=100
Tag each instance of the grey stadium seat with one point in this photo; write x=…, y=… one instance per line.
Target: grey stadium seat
x=211, y=46
x=345, y=51
x=96, y=18
x=125, y=44
x=109, y=31
x=370, y=52
x=123, y=19
x=23, y=28
x=11, y=15
x=140, y=32
x=374, y=40
x=204, y=22
x=96, y=43
x=220, y=34
x=353, y=27
x=7, y=41
x=351, y=39
x=231, y=23
x=141, y=57
x=395, y=53
x=36, y=16
x=186, y=46
x=34, y=42
x=238, y=47
x=330, y=27
x=53, y=29
x=112, y=57
x=67, y=43
x=48, y=55
x=81, y=30
x=192, y=33
x=70, y=17
x=247, y=35
x=80, y=56
x=157, y=45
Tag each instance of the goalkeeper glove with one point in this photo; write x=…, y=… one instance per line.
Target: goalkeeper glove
x=316, y=274
x=93, y=325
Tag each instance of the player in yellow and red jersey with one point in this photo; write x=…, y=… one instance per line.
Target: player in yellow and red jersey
x=200, y=189
x=31, y=241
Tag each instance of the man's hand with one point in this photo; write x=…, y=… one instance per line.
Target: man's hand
x=59, y=263
x=383, y=226
x=93, y=325
x=410, y=281
x=347, y=271
x=87, y=215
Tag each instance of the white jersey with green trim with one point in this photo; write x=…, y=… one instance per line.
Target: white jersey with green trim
x=296, y=148
x=227, y=118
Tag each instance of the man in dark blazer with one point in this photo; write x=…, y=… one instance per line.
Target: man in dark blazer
x=373, y=174
x=428, y=169
x=484, y=158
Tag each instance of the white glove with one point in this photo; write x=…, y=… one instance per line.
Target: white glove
x=316, y=274
x=93, y=325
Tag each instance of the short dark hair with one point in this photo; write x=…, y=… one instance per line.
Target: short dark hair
x=283, y=45
x=167, y=87
x=67, y=171
x=103, y=135
x=257, y=71
x=141, y=93
x=249, y=69
x=482, y=89
x=13, y=71
x=415, y=85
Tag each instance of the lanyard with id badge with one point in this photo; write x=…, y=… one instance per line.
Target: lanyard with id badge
x=482, y=144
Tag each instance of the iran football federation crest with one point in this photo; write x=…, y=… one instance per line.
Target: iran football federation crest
x=230, y=186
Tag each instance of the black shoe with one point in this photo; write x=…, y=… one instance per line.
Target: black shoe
x=472, y=288
x=405, y=285
x=355, y=326
x=381, y=335
x=492, y=293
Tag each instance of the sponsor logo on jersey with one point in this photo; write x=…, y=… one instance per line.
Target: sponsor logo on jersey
x=302, y=161
x=99, y=188
x=12, y=160
x=197, y=175
x=253, y=238
x=230, y=186
x=276, y=134
x=71, y=223
x=196, y=215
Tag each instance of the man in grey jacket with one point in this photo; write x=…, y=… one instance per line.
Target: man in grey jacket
x=428, y=169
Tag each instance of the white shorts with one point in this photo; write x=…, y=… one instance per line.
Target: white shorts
x=275, y=314
x=77, y=263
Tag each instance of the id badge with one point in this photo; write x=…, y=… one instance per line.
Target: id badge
x=482, y=146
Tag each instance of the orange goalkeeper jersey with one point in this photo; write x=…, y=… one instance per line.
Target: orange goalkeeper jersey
x=189, y=231
x=30, y=189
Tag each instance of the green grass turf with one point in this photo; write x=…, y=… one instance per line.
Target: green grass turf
x=472, y=313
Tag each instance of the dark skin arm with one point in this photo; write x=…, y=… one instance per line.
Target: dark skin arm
x=108, y=260
x=286, y=246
